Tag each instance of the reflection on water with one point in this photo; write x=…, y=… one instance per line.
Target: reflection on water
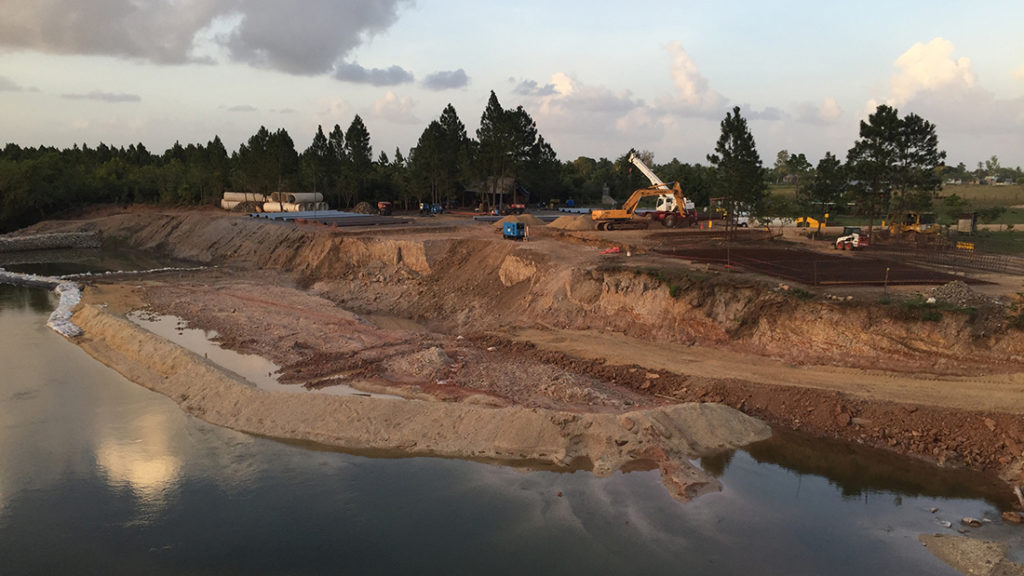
x=100, y=476
x=857, y=470
x=20, y=298
x=136, y=455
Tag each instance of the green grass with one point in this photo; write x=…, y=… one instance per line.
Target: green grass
x=995, y=241
x=981, y=197
x=916, y=307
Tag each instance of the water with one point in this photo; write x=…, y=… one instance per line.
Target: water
x=259, y=371
x=100, y=476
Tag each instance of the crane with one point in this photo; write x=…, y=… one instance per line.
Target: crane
x=625, y=218
x=671, y=206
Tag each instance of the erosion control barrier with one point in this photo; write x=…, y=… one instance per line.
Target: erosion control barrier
x=70, y=296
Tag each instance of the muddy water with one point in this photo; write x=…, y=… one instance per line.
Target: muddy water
x=100, y=476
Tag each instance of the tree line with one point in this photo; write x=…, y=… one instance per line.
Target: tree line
x=894, y=163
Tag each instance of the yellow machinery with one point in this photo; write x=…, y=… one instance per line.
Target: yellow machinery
x=625, y=219
x=913, y=223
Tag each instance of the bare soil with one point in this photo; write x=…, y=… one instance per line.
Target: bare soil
x=446, y=310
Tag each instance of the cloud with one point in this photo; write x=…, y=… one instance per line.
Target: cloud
x=299, y=39
x=446, y=80
x=160, y=31
x=769, y=114
x=693, y=92
x=375, y=76
x=8, y=85
x=104, y=97
x=532, y=88
x=393, y=108
x=309, y=37
x=567, y=106
x=242, y=108
x=825, y=114
x=929, y=67
x=943, y=89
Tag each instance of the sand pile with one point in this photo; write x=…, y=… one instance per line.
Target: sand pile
x=528, y=219
x=574, y=222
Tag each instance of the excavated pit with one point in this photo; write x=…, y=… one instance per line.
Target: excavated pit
x=498, y=323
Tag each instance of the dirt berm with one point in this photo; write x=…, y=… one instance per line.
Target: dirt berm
x=450, y=311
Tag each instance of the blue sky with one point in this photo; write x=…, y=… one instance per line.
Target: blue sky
x=598, y=77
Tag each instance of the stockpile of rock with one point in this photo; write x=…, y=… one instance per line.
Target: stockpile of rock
x=960, y=294
x=57, y=241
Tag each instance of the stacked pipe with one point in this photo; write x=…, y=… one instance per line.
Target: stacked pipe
x=276, y=202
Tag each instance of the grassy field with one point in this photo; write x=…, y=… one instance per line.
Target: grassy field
x=1007, y=239
x=995, y=242
x=979, y=198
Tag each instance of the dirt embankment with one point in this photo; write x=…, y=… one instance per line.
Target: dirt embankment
x=667, y=436
x=947, y=390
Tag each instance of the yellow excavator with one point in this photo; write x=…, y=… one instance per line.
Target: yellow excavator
x=625, y=218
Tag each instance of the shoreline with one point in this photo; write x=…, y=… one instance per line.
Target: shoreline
x=670, y=436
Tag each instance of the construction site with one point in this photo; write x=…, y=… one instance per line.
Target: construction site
x=913, y=352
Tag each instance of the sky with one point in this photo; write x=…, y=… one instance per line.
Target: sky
x=598, y=77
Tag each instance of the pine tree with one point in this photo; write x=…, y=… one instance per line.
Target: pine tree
x=739, y=175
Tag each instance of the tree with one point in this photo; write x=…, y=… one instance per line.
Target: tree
x=492, y=136
x=826, y=188
x=441, y=158
x=507, y=144
x=798, y=168
x=739, y=175
x=781, y=169
x=359, y=155
x=428, y=163
x=895, y=165
x=316, y=161
x=337, y=165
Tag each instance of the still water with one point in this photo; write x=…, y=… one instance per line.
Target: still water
x=100, y=476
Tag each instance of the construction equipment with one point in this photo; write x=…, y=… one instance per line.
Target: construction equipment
x=513, y=231
x=625, y=218
x=736, y=216
x=913, y=223
x=668, y=210
x=851, y=239
x=384, y=208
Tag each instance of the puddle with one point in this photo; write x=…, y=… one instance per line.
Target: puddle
x=257, y=370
